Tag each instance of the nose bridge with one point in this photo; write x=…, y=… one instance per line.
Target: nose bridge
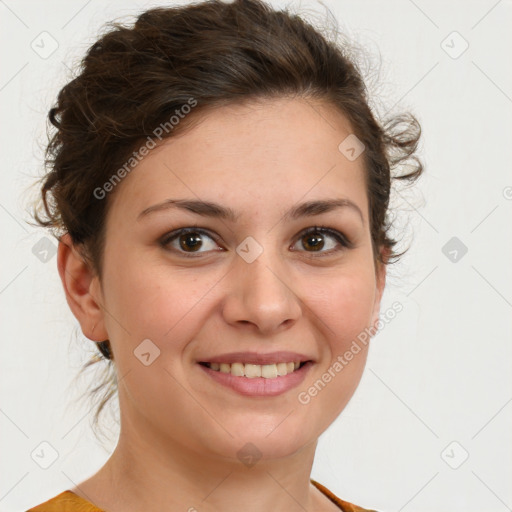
x=260, y=290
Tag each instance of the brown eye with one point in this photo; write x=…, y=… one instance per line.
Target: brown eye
x=190, y=241
x=187, y=241
x=315, y=242
x=318, y=238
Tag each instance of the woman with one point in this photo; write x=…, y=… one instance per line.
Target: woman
x=220, y=189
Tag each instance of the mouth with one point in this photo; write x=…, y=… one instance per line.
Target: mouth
x=257, y=380
x=253, y=371
x=257, y=374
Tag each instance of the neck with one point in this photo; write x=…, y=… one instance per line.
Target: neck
x=152, y=471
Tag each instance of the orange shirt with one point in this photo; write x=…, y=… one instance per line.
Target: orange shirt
x=68, y=501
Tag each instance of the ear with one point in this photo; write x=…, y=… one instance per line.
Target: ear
x=81, y=286
x=380, y=285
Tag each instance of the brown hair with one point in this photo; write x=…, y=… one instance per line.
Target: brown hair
x=133, y=79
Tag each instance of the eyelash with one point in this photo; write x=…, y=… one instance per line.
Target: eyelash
x=324, y=230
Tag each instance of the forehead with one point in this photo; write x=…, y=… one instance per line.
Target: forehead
x=277, y=151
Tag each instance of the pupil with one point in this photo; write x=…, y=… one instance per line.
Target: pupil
x=194, y=238
x=318, y=242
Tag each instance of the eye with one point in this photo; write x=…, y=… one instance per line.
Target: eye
x=188, y=241
x=314, y=238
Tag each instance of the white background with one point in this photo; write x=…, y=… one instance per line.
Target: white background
x=439, y=372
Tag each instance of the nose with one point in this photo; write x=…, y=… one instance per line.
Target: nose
x=260, y=296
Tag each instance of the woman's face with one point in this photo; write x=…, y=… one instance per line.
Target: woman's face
x=253, y=284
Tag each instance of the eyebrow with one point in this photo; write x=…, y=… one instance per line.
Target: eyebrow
x=210, y=209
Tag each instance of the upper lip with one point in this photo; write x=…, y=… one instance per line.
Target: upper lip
x=258, y=358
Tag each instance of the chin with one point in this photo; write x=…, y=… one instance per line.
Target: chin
x=258, y=440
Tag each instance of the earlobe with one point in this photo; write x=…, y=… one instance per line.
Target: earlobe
x=79, y=280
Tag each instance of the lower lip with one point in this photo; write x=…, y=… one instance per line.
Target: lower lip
x=259, y=386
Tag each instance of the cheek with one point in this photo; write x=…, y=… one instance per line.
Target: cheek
x=155, y=302
x=343, y=309
x=345, y=305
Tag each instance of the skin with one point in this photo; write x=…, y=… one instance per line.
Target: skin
x=180, y=430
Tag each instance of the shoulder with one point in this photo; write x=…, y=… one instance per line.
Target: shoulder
x=66, y=501
x=345, y=506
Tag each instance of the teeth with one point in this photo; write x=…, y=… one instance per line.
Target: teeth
x=237, y=369
x=251, y=371
x=269, y=371
x=282, y=368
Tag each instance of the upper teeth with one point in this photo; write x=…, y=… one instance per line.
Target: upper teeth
x=267, y=371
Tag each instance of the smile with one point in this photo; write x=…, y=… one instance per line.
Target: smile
x=256, y=380
x=252, y=371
